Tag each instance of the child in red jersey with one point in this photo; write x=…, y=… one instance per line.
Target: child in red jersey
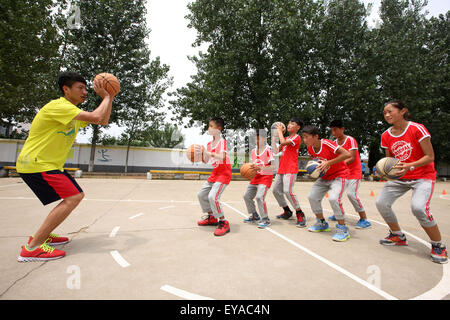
x=262, y=160
x=410, y=142
x=355, y=171
x=209, y=196
x=288, y=170
x=333, y=181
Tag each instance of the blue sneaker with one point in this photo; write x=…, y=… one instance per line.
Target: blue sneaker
x=342, y=233
x=319, y=227
x=253, y=218
x=332, y=218
x=363, y=224
x=265, y=222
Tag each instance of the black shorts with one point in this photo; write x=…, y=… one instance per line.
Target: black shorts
x=50, y=186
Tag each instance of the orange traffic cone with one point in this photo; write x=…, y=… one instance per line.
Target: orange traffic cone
x=326, y=195
x=443, y=192
x=372, y=194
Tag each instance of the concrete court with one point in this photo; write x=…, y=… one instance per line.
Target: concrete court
x=139, y=239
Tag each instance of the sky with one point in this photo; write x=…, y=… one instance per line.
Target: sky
x=171, y=40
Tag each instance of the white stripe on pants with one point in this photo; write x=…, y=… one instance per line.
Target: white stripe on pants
x=422, y=191
x=283, y=186
x=335, y=189
x=209, y=196
x=352, y=194
x=259, y=192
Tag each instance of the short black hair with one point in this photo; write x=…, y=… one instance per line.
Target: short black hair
x=399, y=105
x=337, y=123
x=219, y=122
x=297, y=121
x=311, y=129
x=68, y=79
x=261, y=132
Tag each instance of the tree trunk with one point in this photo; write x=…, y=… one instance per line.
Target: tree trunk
x=95, y=135
x=126, y=160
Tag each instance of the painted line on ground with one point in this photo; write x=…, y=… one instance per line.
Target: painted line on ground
x=183, y=294
x=324, y=260
x=136, y=215
x=168, y=207
x=114, y=232
x=119, y=259
x=12, y=185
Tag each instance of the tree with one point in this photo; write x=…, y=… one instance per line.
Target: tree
x=413, y=59
x=111, y=39
x=243, y=75
x=168, y=136
x=29, y=57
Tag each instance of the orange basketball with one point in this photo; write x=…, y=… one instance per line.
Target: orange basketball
x=195, y=156
x=110, y=83
x=247, y=172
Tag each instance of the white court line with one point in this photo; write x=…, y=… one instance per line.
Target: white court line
x=135, y=216
x=119, y=259
x=183, y=294
x=441, y=290
x=12, y=185
x=166, y=207
x=114, y=232
x=326, y=261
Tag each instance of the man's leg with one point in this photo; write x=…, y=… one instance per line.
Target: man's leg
x=55, y=218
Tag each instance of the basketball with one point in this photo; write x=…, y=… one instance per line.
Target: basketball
x=247, y=172
x=385, y=168
x=110, y=83
x=311, y=168
x=195, y=156
x=276, y=123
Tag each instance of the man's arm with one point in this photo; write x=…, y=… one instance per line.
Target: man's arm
x=102, y=113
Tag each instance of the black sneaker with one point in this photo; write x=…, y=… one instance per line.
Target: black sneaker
x=253, y=218
x=285, y=215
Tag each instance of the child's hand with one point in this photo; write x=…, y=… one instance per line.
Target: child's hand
x=323, y=166
x=402, y=168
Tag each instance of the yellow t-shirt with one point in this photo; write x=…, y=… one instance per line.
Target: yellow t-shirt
x=52, y=134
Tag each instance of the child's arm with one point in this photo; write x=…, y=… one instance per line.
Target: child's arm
x=428, y=157
x=352, y=158
x=343, y=155
x=219, y=156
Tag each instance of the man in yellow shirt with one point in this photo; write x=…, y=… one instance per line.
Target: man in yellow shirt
x=40, y=163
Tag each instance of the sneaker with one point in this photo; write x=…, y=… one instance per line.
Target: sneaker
x=332, y=218
x=285, y=215
x=265, y=222
x=319, y=227
x=394, y=240
x=252, y=218
x=208, y=220
x=342, y=233
x=223, y=228
x=301, y=220
x=42, y=253
x=439, y=253
x=53, y=240
x=363, y=224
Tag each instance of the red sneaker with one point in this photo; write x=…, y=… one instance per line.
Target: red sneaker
x=439, y=253
x=42, y=253
x=208, y=220
x=394, y=240
x=223, y=228
x=53, y=240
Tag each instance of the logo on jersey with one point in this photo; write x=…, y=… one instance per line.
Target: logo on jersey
x=402, y=150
